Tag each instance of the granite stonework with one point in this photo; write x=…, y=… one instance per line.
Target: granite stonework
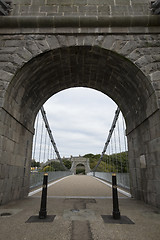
x=79, y=160
x=119, y=58
x=80, y=7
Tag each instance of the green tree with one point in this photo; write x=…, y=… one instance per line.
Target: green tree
x=34, y=163
x=67, y=163
x=110, y=163
x=48, y=169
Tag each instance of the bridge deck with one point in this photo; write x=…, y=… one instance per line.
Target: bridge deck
x=79, y=186
x=86, y=222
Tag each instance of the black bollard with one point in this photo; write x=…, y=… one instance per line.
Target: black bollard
x=43, y=210
x=116, y=212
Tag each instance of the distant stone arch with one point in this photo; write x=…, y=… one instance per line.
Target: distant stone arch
x=80, y=160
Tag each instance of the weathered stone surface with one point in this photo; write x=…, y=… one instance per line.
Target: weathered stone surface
x=123, y=65
x=80, y=7
x=80, y=160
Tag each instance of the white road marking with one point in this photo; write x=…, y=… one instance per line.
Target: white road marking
x=50, y=184
x=81, y=197
x=100, y=197
x=119, y=190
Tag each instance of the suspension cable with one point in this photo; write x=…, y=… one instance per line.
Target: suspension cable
x=115, y=145
x=109, y=152
x=125, y=144
x=40, y=148
x=119, y=142
x=48, y=147
x=50, y=152
x=112, y=157
x=51, y=136
x=108, y=139
x=44, y=154
x=35, y=136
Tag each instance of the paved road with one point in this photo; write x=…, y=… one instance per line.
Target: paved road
x=79, y=185
x=79, y=218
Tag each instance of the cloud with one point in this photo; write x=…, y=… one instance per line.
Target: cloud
x=80, y=120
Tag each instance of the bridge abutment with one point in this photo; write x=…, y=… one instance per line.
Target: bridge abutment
x=117, y=55
x=15, y=155
x=143, y=144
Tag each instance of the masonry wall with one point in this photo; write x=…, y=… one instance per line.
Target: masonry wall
x=137, y=94
x=80, y=7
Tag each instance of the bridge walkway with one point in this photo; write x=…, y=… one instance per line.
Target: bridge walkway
x=79, y=186
x=78, y=203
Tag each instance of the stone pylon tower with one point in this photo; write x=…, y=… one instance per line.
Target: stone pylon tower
x=112, y=46
x=79, y=160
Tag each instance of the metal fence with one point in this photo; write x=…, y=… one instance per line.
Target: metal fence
x=123, y=179
x=36, y=178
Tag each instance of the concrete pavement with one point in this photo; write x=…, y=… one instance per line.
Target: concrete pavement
x=79, y=217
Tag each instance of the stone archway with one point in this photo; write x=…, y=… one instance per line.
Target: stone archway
x=80, y=169
x=80, y=66
x=80, y=160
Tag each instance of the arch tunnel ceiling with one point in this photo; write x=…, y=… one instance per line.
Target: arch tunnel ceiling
x=91, y=67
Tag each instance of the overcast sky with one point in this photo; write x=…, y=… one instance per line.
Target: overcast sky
x=80, y=120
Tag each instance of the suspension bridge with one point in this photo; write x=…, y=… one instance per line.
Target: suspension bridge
x=114, y=151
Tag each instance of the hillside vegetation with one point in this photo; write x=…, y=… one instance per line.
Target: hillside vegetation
x=110, y=163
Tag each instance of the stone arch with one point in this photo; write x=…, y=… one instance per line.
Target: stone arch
x=74, y=66
x=80, y=167
x=80, y=160
x=108, y=67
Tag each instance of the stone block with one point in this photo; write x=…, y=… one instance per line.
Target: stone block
x=154, y=145
x=88, y=9
x=133, y=175
x=67, y=9
x=151, y=186
x=95, y=2
x=18, y=60
x=49, y=9
x=157, y=200
x=139, y=2
x=108, y=42
x=52, y=42
x=104, y=9
x=53, y=2
x=3, y=171
x=150, y=172
x=151, y=198
x=155, y=76
x=71, y=41
x=24, y=9
x=23, y=2
x=43, y=45
x=6, y=76
x=154, y=120
x=122, y=2
x=153, y=159
x=143, y=61
x=156, y=172
x=8, y=67
x=120, y=10
x=8, y=185
x=34, y=8
x=154, y=131
x=33, y=48
x=37, y=2
x=24, y=53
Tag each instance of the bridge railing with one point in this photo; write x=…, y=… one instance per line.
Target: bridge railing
x=36, y=178
x=123, y=179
